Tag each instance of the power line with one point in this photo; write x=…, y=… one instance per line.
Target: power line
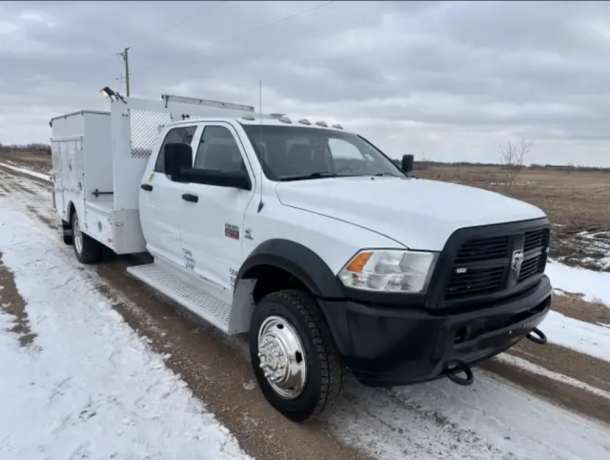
x=230, y=38
x=189, y=18
x=256, y=29
x=161, y=32
x=125, y=54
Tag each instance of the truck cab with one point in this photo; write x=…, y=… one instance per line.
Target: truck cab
x=328, y=255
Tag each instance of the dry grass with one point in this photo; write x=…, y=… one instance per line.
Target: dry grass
x=577, y=200
x=36, y=161
x=574, y=306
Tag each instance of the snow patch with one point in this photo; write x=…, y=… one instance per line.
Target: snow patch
x=535, y=369
x=580, y=336
x=594, y=285
x=28, y=172
x=91, y=387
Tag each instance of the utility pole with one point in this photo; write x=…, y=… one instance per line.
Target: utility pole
x=125, y=56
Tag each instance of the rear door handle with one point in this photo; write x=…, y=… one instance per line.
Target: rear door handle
x=191, y=198
x=146, y=187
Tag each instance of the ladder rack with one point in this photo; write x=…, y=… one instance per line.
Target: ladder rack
x=171, y=101
x=206, y=103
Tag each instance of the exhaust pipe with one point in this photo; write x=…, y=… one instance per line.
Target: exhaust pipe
x=453, y=369
x=537, y=336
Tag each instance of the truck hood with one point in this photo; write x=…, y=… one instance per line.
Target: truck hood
x=418, y=213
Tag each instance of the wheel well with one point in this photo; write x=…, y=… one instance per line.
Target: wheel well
x=271, y=279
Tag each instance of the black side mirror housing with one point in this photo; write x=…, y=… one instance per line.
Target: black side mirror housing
x=233, y=179
x=177, y=158
x=407, y=164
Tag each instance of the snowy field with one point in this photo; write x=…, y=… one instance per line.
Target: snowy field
x=78, y=382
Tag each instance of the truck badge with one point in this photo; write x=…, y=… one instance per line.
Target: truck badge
x=232, y=231
x=517, y=260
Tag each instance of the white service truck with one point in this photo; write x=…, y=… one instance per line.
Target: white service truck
x=306, y=237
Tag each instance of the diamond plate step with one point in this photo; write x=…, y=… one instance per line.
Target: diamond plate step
x=209, y=308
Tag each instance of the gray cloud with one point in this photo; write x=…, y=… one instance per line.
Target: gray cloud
x=453, y=79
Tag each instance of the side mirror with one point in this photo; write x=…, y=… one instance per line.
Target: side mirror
x=407, y=164
x=177, y=157
x=233, y=179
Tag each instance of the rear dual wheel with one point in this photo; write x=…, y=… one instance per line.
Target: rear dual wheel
x=293, y=355
x=86, y=249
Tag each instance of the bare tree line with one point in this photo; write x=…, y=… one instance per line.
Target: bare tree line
x=511, y=158
x=34, y=147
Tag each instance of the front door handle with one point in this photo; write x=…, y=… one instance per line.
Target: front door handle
x=146, y=187
x=191, y=198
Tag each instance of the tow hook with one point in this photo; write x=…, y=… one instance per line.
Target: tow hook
x=456, y=367
x=537, y=336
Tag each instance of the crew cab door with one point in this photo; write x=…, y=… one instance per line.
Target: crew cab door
x=212, y=215
x=161, y=200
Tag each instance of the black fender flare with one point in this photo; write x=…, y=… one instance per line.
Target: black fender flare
x=299, y=261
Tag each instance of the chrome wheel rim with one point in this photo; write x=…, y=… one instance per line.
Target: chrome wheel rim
x=78, y=236
x=282, y=358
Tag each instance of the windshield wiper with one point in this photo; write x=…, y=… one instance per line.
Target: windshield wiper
x=385, y=174
x=316, y=175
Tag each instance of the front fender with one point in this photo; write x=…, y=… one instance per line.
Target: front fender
x=297, y=260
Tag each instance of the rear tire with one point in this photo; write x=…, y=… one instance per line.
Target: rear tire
x=66, y=229
x=86, y=249
x=309, y=382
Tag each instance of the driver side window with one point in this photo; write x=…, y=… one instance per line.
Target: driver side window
x=218, y=150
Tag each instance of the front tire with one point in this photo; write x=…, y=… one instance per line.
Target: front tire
x=86, y=249
x=293, y=355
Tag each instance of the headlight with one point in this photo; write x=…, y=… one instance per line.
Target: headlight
x=389, y=270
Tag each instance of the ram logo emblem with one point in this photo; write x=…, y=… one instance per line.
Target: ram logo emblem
x=517, y=261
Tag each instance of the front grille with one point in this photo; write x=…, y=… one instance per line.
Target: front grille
x=482, y=249
x=485, y=265
x=475, y=281
x=535, y=239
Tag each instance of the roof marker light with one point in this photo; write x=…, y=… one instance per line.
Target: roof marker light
x=248, y=117
x=322, y=123
x=285, y=119
x=338, y=126
x=305, y=121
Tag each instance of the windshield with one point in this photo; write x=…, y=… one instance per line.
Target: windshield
x=298, y=153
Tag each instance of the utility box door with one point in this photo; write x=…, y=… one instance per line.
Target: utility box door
x=68, y=174
x=56, y=174
x=72, y=173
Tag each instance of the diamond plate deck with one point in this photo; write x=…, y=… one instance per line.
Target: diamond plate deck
x=212, y=310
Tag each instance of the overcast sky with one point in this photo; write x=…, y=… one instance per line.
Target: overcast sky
x=451, y=79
